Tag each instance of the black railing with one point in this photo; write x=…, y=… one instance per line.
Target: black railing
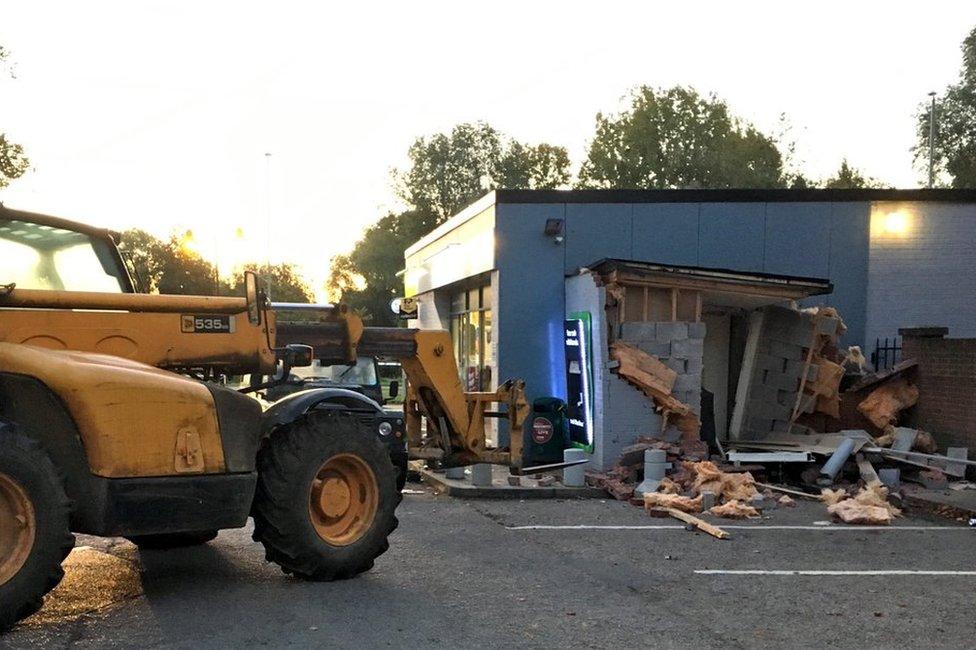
x=886, y=353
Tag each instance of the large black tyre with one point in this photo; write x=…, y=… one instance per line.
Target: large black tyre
x=166, y=541
x=32, y=498
x=326, y=497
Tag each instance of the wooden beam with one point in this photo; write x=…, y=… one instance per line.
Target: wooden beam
x=644, y=311
x=674, y=305
x=796, y=493
x=700, y=524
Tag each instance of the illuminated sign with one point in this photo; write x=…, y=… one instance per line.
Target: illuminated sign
x=579, y=379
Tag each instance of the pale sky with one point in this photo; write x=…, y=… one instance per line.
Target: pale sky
x=159, y=114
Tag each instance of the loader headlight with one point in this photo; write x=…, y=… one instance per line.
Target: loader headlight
x=385, y=428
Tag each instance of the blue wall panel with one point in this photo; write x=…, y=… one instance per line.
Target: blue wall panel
x=848, y=266
x=666, y=233
x=595, y=231
x=531, y=298
x=731, y=236
x=797, y=239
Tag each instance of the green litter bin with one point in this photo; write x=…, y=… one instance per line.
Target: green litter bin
x=546, y=434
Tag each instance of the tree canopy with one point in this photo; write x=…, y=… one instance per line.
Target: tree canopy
x=170, y=267
x=13, y=161
x=447, y=172
x=955, y=119
x=848, y=178
x=676, y=138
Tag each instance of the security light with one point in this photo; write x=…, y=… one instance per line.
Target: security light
x=554, y=229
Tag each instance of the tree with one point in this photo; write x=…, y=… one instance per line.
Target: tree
x=448, y=171
x=675, y=138
x=171, y=267
x=366, y=279
x=286, y=283
x=955, y=113
x=13, y=162
x=848, y=178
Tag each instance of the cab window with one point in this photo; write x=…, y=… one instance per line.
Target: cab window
x=36, y=256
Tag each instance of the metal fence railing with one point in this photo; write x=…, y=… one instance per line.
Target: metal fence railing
x=887, y=352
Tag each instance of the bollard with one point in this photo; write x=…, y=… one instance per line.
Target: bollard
x=456, y=473
x=481, y=475
x=573, y=476
x=655, y=465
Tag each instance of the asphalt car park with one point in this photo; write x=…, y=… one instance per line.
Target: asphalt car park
x=546, y=573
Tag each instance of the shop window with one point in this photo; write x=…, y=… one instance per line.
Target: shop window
x=471, y=331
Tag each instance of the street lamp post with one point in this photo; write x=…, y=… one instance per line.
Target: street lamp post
x=932, y=141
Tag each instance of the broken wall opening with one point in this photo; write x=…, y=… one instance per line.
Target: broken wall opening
x=691, y=320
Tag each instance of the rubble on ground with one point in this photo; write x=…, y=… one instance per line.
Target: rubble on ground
x=800, y=399
x=735, y=509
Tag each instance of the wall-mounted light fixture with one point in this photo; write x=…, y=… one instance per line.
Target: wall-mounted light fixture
x=554, y=229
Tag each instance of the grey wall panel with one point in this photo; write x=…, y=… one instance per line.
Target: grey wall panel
x=666, y=233
x=731, y=236
x=797, y=239
x=597, y=230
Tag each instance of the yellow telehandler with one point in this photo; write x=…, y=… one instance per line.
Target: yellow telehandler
x=115, y=418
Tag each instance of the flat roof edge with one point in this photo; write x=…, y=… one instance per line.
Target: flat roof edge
x=757, y=195
x=465, y=215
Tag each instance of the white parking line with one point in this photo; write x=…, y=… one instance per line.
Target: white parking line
x=756, y=527
x=881, y=572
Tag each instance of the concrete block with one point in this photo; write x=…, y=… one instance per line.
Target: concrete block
x=694, y=367
x=671, y=331
x=766, y=361
x=758, y=424
x=766, y=410
x=481, y=475
x=680, y=366
x=687, y=383
x=956, y=469
x=659, y=349
x=890, y=477
x=709, y=500
x=696, y=330
x=638, y=331
x=456, y=473
x=688, y=348
x=761, y=393
x=794, y=368
x=781, y=426
x=784, y=350
x=780, y=381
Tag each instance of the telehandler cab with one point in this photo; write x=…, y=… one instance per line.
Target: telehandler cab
x=115, y=419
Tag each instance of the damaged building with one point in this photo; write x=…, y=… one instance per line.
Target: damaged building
x=709, y=283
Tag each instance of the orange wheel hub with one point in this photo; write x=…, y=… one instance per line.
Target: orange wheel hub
x=343, y=499
x=18, y=527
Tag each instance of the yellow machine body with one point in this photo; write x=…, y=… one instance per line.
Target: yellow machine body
x=133, y=419
x=156, y=330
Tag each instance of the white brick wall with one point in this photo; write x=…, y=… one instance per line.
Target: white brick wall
x=924, y=276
